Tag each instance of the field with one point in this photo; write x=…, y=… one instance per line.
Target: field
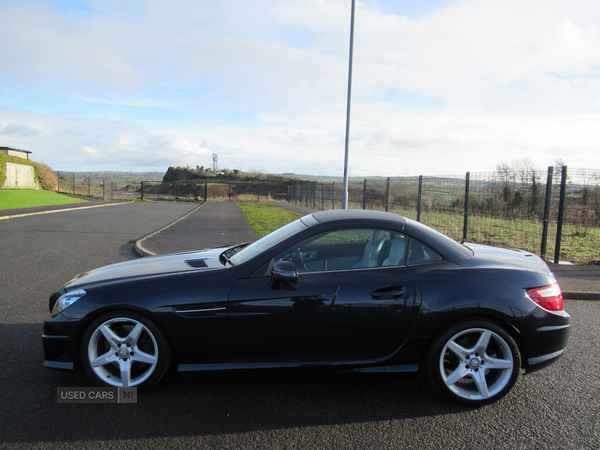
x=264, y=217
x=12, y=199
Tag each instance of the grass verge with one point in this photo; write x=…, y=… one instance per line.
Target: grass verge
x=12, y=199
x=264, y=217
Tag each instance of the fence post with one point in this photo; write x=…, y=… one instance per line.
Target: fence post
x=58, y=182
x=419, y=198
x=333, y=195
x=103, y=189
x=365, y=194
x=205, y=191
x=73, y=183
x=175, y=192
x=561, y=214
x=387, y=195
x=142, y=191
x=314, y=196
x=546, y=220
x=466, y=224
x=322, y=197
x=89, y=186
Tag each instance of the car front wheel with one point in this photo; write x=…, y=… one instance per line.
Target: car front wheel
x=474, y=362
x=124, y=349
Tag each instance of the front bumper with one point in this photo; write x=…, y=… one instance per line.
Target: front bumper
x=60, y=342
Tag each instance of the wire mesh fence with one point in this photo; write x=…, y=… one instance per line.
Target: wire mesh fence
x=531, y=210
x=104, y=189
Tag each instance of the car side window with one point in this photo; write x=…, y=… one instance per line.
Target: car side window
x=420, y=253
x=348, y=249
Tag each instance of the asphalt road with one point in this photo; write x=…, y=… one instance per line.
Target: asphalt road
x=555, y=408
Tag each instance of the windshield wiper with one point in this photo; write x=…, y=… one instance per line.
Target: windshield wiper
x=225, y=257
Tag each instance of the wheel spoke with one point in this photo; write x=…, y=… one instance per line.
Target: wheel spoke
x=134, y=335
x=481, y=383
x=102, y=360
x=143, y=357
x=494, y=363
x=457, y=375
x=110, y=336
x=125, y=367
x=457, y=349
x=483, y=342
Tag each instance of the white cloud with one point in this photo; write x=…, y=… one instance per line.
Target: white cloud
x=150, y=84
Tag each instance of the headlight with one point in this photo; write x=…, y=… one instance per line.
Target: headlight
x=67, y=300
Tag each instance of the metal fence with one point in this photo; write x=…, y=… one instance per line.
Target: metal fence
x=556, y=215
x=101, y=188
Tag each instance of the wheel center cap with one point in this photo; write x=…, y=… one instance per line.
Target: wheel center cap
x=123, y=353
x=475, y=363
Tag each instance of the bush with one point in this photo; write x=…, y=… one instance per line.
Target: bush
x=46, y=177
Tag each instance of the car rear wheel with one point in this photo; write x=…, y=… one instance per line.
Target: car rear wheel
x=124, y=349
x=474, y=362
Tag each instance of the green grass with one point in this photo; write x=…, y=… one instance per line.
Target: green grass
x=265, y=218
x=12, y=199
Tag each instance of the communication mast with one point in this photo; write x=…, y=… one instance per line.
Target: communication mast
x=215, y=162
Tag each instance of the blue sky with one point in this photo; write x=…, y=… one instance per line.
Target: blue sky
x=439, y=87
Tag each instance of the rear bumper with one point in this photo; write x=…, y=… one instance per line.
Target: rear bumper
x=544, y=336
x=542, y=361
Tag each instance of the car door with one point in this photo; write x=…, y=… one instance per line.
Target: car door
x=355, y=300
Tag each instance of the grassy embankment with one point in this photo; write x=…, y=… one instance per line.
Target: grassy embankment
x=264, y=217
x=12, y=199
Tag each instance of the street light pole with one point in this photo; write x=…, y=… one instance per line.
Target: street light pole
x=345, y=190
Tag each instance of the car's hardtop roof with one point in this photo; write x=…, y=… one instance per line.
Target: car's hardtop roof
x=359, y=217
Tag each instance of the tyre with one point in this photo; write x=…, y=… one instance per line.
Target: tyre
x=124, y=349
x=474, y=362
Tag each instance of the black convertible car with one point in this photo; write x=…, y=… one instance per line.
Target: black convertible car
x=348, y=290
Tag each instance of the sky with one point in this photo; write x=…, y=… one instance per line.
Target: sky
x=439, y=87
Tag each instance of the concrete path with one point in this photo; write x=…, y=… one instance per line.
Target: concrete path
x=211, y=225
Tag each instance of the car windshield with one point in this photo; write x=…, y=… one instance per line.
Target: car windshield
x=267, y=242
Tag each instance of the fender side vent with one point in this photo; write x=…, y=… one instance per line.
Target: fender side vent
x=197, y=263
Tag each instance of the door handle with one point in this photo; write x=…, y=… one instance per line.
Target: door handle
x=388, y=293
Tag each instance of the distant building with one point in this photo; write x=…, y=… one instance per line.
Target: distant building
x=15, y=152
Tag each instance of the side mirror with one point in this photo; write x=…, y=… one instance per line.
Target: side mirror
x=284, y=275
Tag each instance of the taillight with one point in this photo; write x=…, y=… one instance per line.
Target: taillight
x=548, y=297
